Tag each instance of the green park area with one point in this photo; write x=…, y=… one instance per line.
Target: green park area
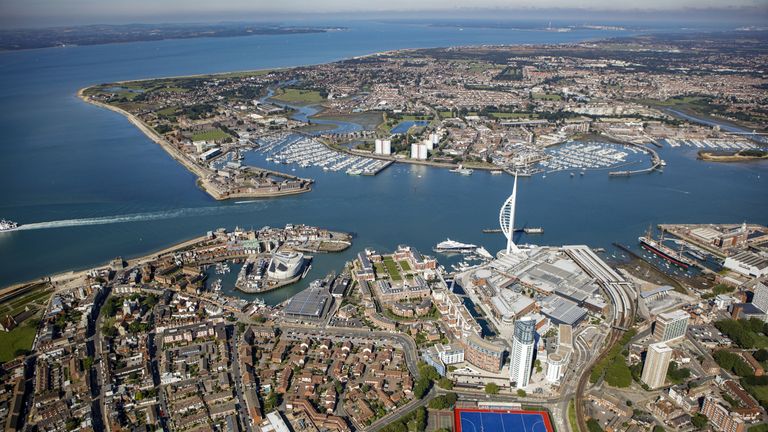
x=17, y=341
x=210, y=135
x=394, y=272
x=547, y=96
x=298, y=95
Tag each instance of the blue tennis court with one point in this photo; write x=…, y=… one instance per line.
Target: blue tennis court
x=468, y=420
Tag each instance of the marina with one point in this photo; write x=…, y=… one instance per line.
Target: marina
x=580, y=156
x=295, y=149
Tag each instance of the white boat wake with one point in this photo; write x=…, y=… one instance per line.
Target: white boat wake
x=137, y=217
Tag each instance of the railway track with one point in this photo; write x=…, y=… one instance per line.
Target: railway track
x=620, y=324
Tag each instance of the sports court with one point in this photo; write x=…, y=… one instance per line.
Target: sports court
x=476, y=420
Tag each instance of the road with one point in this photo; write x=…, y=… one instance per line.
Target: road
x=237, y=376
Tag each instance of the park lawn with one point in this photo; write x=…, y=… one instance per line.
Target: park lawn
x=394, y=272
x=380, y=269
x=547, y=96
x=18, y=338
x=211, y=135
x=405, y=266
x=168, y=111
x=298, y=95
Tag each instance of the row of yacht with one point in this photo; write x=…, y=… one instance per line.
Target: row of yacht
x=716, y=144
x=308, y=152
x=586, y=156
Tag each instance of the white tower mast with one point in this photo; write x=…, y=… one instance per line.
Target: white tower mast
x=507, y=219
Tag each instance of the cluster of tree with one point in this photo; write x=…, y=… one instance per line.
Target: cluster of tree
x=491, y=389
x=732, y=362
x=427, y=375
x=699, y=420
x=196, y=112
x=601, y=368
x=442, y=402
x=677, y=375
x=416, y=421
x=743, y=332
x=594, y=426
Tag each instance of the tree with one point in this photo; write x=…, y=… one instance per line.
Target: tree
x=445, y=383
x=761, y=355
x=491, y=389
x=594, y=426
x=521, y=393
x=443, y=401
x=699, y=420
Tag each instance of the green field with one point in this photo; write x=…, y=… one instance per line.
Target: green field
x=394, y=272
x=405, y=266
x=16, y=339
x=211, y=135
x=298, y=95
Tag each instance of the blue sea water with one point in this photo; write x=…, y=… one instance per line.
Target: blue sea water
x=91, y=186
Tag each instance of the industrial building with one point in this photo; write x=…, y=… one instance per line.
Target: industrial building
x=748, y=264
x=312, y=303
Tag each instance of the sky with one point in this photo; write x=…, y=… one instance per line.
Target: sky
x=37, y=13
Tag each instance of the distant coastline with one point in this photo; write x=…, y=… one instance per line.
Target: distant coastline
x=62, y=37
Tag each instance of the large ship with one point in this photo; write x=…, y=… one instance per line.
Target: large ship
x=6, y=225
x=658, y=248
x=451, y=246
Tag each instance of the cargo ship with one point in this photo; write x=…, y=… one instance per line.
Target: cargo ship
x=658, y=248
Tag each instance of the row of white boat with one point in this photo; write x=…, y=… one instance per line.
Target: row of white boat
x=307, y=152
x=723, y=144
x=586, y=156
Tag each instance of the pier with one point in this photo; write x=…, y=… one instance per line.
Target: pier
x=655, y=160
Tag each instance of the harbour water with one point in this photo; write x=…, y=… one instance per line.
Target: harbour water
x=90, y=186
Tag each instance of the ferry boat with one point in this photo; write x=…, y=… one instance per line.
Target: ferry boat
x=452, y=246
x=463, y=171
x=533, y=230
x=658, y=248
x=7, y=225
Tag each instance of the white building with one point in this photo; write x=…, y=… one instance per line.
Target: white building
x=429, y=144
x=656, y=365
x=285, y=265
x=521, y=357
x=450, y=354
x=671, y=326
x=383, y=147
x=418, y=151
x=557, y=362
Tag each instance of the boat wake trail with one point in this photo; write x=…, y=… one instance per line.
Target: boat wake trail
x=138, y=217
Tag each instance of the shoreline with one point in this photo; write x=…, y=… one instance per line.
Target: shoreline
x=77, y=273
x=708, y=156
x=200, y=172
